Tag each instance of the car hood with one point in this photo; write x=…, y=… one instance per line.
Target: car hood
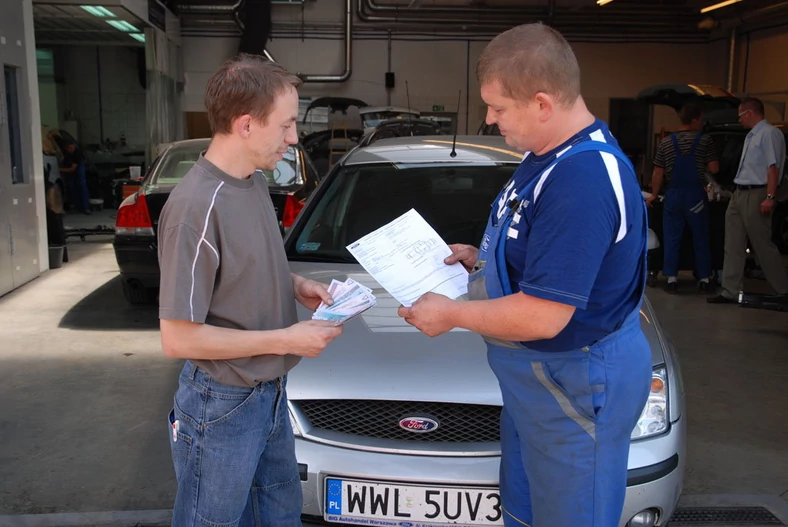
x=379, y=356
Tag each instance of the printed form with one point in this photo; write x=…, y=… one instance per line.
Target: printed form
x=406, y=257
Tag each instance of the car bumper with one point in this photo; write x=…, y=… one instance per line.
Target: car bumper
x=138, y=260
x=654, y=483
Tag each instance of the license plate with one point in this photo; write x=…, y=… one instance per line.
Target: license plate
x=386, y=504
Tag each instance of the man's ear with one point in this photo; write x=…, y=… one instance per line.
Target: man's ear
x=546, y=105
x=243, y=125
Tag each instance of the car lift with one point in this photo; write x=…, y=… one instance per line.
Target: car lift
x=98, y=230
x=760, y=301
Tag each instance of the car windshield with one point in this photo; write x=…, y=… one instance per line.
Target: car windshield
x=454, y=198
x=178, y=160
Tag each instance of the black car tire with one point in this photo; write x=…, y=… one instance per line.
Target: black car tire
x=137, y=294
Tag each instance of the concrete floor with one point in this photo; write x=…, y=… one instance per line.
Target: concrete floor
x=85, y=391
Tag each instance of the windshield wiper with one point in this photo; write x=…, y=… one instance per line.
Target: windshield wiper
x=326, y=258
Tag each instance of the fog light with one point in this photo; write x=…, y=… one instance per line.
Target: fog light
x=646, y=518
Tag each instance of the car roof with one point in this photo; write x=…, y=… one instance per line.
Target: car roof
x=370, y=109
x=190, y=143
x=202, y=142
x=436, y=149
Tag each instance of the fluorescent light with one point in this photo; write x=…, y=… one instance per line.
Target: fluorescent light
x=603, y=2
x=122, y=25
x=138, y=36
x=99, y=11
x=717, y=6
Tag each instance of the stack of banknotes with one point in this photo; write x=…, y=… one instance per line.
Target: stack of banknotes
x=350, y=299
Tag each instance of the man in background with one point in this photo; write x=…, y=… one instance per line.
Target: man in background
x=683, y=159
x=750, y=210
x=74, y=170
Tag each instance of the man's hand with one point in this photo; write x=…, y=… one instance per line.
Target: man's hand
x=465, y=254
x=430, y=314
x=310, y=293
x=310, y=337
x=650, y=200
x=767, y=206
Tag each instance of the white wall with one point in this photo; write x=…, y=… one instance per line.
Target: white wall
x=47, y=99
x=122, y=96
x=763, y=68
x=436, y=70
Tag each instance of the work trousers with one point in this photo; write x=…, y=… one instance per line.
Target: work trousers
x=744, y=220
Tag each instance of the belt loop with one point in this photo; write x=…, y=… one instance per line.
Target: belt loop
x=192, y=370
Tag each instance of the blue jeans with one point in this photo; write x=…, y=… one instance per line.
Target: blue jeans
x=234, y=454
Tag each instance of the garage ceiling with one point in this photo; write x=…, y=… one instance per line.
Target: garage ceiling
x=73, y=24
x=65, y=22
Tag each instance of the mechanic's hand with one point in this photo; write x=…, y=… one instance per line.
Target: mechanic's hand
x=429, y=314
x=767, y=206
x=465, y=254
x=310, y=293
x=310, y=337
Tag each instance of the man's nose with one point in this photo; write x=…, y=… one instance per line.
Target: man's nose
x=490, y=118
x=292, y=136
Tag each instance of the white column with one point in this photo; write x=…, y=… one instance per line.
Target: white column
x=35, y=129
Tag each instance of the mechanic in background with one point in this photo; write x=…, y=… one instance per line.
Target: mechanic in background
x=74, y=170
x=682, y=160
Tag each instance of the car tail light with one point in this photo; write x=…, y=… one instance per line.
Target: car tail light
x=133, y=216
x=292, y=207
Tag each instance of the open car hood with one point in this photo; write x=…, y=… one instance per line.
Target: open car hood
x=334, y=104
x=719, y=105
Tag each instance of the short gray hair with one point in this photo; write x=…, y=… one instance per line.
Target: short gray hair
x=528, y=59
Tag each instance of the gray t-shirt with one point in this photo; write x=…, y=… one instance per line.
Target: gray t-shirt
x=223, y=263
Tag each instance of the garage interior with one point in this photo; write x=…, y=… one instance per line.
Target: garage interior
x=85, y=389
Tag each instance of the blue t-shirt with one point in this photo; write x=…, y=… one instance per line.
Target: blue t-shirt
x=578, y=238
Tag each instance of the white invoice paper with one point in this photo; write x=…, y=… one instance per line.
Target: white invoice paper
x=406, y=257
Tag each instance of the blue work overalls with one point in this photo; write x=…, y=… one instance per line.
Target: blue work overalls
x=567, y=415
x=686, y=202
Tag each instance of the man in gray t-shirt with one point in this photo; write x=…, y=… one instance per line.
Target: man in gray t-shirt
x=227, y=306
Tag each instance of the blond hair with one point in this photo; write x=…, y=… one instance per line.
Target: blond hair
x=529, y=59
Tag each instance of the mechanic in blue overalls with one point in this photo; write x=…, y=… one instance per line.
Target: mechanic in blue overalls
x=688, y=161
x=555, y=291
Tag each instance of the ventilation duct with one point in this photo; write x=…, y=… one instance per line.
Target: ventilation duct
x=256, y=26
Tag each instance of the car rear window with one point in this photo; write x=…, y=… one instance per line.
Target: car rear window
x=454, y=198
x=176, y=162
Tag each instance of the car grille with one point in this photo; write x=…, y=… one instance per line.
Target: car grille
x=458, y=423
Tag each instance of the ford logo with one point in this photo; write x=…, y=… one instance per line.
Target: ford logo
x=418, y=425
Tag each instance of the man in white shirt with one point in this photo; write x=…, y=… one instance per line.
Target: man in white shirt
x=749, y=213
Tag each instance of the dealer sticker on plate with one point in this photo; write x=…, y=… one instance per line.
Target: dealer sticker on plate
x=370, y=503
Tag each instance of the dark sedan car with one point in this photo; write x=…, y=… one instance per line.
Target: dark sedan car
x=135, y=242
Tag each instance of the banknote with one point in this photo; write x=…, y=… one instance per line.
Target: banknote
x=350, y=300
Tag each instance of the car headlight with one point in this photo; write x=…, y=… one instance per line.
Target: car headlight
x=654, y=419
x=294, y=424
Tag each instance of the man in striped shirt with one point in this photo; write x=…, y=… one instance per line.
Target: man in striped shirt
x=683, y=160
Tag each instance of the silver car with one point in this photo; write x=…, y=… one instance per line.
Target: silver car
x=396, y=428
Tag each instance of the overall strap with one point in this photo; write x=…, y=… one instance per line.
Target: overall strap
x=695, y=143
x=585, y=146
x=675, y=140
